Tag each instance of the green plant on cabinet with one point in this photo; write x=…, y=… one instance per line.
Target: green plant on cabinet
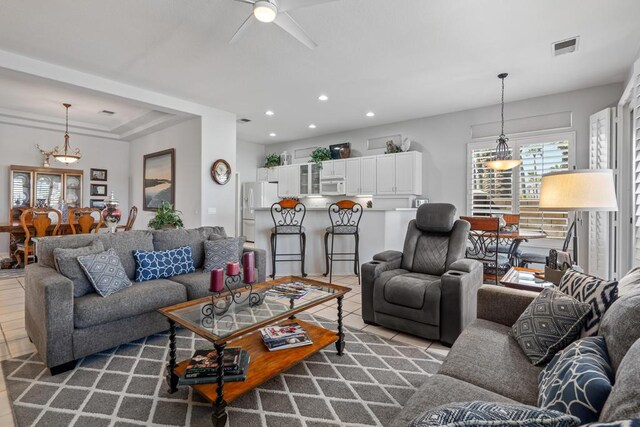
x=320, y=155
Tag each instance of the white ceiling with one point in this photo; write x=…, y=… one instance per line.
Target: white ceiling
x=36, y=102
x=402, y=59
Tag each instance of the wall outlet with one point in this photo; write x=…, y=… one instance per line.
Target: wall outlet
x=211, y=211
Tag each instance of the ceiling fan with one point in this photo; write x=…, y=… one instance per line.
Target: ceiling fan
x=268, y=11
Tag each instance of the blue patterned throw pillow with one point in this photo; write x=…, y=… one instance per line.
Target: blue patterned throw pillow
x=474, y=414
x=578, y=380
x=105, y=272
x=598, y=293
x=152, y=265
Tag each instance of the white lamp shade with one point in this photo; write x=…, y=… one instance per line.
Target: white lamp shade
x=579, y=190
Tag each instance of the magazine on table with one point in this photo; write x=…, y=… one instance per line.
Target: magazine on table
x=281, y=337
x=237, y=374
x=205, y=362
x=291, y=290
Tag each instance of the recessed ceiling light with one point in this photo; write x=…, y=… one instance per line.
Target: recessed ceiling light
x=323, y=98
x=272, y=134
x=312, y=126
x=371, y=114
x=269, y=113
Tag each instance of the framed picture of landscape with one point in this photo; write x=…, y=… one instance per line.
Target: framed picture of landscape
x=158, y=179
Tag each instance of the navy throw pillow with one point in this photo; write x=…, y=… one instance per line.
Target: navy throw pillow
x=151, y=265
x=578, y=380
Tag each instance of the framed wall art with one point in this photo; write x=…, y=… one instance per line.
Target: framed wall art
x=98, y=174
x=98, y=190
x=158, y=179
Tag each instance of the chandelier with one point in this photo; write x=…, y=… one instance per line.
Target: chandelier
x=503, y=160
x=66, y=155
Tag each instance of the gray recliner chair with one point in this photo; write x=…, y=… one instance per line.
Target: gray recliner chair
x=429, y=289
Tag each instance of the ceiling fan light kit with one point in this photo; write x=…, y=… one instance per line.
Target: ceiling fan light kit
x=265, y=11
x=503, y=160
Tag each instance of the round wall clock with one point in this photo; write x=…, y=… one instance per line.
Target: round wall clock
x=221, y=171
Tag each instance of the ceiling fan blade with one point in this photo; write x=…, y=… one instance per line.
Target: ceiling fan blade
x=246, y=1
x=286, y=22
x=284, y=5
x=243, y=28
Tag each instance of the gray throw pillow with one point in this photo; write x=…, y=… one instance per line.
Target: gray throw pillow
x=629, y=283
x=241, y=241
x=105, y=271
x=624, y=400
x=550, y=323
x=218, y=252
x=598, y=293
x=66, y=261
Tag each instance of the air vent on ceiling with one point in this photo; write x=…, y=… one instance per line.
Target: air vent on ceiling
x=106, y=112
x=565, y=46
x=243, y=121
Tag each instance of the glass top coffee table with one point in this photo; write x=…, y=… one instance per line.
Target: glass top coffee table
x=237, y=317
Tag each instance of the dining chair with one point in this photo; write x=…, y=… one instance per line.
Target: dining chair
x=526, y=258
x=484, y=239
x=40, y=220
x=506, y=245
x=83, y=220
x=131, y=219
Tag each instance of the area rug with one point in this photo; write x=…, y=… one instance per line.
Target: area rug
x=11, y=273
x=124, y=386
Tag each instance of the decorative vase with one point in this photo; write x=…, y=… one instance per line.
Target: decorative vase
x=111, y=215
x=345, y=152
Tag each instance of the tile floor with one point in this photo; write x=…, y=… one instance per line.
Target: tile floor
x=14, y=341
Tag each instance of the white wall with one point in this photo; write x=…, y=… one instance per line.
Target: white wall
x=18, y=145
x=185, y=137
x=249, y=158
x=443, y=139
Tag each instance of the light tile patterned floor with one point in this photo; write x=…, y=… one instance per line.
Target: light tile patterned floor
x=14, y=341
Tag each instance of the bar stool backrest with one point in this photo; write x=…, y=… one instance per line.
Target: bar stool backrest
x=345, y=213
x=288, y=213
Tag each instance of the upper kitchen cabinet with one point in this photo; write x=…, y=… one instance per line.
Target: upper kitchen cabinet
x=267, y=174
x=399, y=173
x=289, y=181
x=309, y=180
x=368, y=175
x=352, y=176
x=333, y=169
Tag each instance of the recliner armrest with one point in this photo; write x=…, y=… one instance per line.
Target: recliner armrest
x=465, y=265
x=387, y=256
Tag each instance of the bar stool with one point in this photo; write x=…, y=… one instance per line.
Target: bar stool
x=287, y=215
x=345, y=218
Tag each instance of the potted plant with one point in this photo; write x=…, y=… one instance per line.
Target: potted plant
x=166, y=217
x=272, y=160
x=320, y=155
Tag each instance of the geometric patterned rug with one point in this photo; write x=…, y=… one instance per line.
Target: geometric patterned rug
x=125, y=386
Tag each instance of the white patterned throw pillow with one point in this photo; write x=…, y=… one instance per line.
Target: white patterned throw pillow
x=598, y=293
x=105, y=272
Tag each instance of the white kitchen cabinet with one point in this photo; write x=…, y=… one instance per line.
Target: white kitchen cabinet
x=333, y=169
x=309, y=180
x=352, y=176
x=272, y=174
x=289, y=181
x=262, y=175
x=385, y=174
x=368, y=175
x=399, y=173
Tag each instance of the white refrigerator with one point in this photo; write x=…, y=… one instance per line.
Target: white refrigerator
x=255, y=195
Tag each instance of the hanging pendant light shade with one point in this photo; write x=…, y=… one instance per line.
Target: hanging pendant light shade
x=503, y=160
x=66, y=155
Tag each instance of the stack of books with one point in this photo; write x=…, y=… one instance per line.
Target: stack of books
x=291, y=290
x=285, y=336
x=203, y=366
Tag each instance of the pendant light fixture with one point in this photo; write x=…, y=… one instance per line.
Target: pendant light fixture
x=503, y=160
x=67, y=155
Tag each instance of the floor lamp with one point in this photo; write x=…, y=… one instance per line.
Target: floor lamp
x=581, y=190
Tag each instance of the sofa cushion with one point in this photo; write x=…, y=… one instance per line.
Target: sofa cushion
x=124, y=245
x=629, y=283
x=478, y=413
x=624, y=400
x=151, y=265
x=67, y=264
x=194, y=238
x=620, y=326
x=598, y=293
x=487, y=356
x=218, y=252
x=197, y=283
x=92, y=309
x=578, y=380
x=440, y=390
x=105, y=272
x=411, y=296
x=551, y=322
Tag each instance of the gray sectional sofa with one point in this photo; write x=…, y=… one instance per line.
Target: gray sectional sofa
x=487, y=364
x=64, y=328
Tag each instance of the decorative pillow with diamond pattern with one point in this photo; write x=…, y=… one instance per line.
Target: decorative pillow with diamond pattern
x=105, y=272
x=152, y=265
x=474, y=414
x=220, y=251
x=578, y=380
x=600, y=294
x=550, y=323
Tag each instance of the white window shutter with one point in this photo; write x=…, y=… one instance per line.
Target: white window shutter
x=599, y=222
x=636, y=171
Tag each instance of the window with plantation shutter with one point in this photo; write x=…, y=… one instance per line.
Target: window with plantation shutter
x=636, y=170
x=518, y=191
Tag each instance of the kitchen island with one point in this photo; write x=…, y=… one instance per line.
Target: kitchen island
x=380, y=230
